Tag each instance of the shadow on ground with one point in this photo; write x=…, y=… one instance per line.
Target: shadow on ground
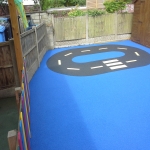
x=8, y=120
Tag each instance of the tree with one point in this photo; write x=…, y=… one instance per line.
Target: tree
x=74, y=2
x=45, y=4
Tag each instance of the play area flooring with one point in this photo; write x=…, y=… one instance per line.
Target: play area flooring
x=93, y=97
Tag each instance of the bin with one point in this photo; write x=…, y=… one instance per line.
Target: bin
x=6, y=22
x=2, y=34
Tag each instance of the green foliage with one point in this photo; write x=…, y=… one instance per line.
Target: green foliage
x=45, y=4
x=64, y=13
x=95, y=12
x=76, y=12
x=74, y=2
x=112, y=6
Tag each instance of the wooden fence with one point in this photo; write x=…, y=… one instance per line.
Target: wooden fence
x=86, y=29
x=94, y=4
x=34, y=46
x=7, y=65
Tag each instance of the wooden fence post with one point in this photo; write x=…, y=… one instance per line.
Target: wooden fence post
x=37, y=47
x=18, y=92
x=87, y=28
x=116, y=25
x=12, y=139
x=13, y=55
x=16, y=36
x=53, y=22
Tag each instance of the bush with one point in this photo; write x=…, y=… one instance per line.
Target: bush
x=112, y=6
x=95, y=12
x=76, y=12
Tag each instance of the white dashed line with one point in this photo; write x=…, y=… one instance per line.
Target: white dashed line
x=73, y=68
x=113, y=64
x=96, y=67
x=86, y=51
x=59, y=62
x=110, y=61
x=130, y=61
x=122, y=48
x=68, y=54
x=103, y=48
x=137, y=53
x=118, y=67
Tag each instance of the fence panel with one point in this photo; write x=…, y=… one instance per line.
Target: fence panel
x=41, y=31
x=28, y=42
x=88, y=30
x=34, y=47
x=70, y=28
x=7, y=78
x=124, y=23
x=101, y=25
x=94, y=4
x=42, y=44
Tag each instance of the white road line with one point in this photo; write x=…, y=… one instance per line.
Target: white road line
x=68, y=54
x=130, y=61
x=113, y=64
x=109, y=61
x=122, y=48
x=137, y=53
x=103, y=48
x=118, y=67
x=73, y=68
x=59, y=62
x=96, y=67
x=86, y=51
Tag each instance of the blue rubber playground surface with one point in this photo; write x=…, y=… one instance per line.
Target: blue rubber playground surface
x=109, y=111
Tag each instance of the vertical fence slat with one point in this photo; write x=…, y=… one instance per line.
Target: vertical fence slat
x=37, y=47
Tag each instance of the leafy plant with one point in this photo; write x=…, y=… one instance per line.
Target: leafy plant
x=95, y=12
x=64, y=13
x=112, y=6
x=74, y=2
x=76, y=12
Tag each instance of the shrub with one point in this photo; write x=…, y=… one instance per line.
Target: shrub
x=112, y=6
x=95, y=12
x=76, y=12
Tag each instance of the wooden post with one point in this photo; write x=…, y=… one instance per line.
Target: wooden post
x=37, y=47
x=12, y=139
x=96, y=3
x=87, y=28
x=116, y=24
x=16, y=36
x=18, y=93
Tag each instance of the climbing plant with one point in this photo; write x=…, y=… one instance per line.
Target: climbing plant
x=112, y=6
